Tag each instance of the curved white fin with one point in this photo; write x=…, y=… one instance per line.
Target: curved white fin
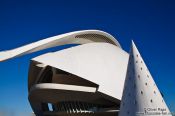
x=77, y=37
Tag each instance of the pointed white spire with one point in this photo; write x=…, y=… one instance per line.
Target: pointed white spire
x=141, y=95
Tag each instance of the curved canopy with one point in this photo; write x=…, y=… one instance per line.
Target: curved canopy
x=100, y=63
x=77, y=37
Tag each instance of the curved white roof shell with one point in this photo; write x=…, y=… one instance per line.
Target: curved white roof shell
x=101, y=63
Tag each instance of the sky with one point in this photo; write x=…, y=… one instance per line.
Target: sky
x=150, y=23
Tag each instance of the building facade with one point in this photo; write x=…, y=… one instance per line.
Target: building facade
x=90, y=78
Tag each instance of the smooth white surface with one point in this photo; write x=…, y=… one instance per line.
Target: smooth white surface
x=141, y=94
x=101, y=63
x=63, y=87
x=68, y=38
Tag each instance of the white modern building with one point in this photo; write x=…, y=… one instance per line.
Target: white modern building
x=96, y=77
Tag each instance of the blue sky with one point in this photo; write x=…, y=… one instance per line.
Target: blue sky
x=150, y=23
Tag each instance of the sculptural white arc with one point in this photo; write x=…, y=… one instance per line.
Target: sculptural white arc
x=77, y=37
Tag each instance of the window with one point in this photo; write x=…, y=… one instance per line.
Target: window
x=50, y=107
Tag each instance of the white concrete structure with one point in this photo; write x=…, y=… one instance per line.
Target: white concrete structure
x=87, y=79
x=77, y=37
x=141, y=95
